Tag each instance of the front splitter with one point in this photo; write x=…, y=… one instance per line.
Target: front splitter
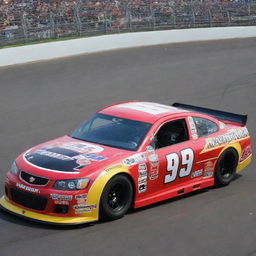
x=42, y=218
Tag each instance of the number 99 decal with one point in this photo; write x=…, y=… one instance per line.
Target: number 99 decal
x=173, y=161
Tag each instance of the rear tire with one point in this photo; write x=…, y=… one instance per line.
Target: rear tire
x=226, y=167
x=116, y=198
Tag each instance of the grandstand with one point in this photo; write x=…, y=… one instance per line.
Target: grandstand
x=24, y=21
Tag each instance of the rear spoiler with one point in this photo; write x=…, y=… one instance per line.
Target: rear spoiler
x=236, y=118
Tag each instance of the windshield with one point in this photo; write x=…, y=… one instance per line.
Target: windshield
x=112, y=131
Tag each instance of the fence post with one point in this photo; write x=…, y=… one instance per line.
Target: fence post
x=78, y=20
x=153, y=19
x=249, y=13
x=228, y=16
x=129, y=16
x=105, y=23
x=210, y=17
x=174, y=20
x=24, y=27
x=174, y=16
x=54, y=33
x=193, y=15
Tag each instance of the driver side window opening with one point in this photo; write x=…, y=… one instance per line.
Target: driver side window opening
x=171, y=133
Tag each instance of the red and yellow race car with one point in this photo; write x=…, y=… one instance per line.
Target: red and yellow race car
x=129, y=154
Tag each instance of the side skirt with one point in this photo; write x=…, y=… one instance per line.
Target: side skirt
x=177, y=191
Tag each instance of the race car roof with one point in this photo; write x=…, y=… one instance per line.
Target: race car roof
x=141, y=111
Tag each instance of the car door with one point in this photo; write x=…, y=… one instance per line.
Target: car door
x=177, y=154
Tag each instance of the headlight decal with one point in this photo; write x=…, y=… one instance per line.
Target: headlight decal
x=73, y=184
x=14, y=169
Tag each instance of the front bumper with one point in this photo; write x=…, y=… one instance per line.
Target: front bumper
x=44, y=204
x=38, y=217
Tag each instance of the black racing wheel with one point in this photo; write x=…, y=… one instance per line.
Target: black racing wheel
x=116, y=198
x=226, y=167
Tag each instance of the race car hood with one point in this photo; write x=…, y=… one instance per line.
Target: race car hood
x=68, y=155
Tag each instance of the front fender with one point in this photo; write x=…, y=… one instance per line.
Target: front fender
x=95, y=192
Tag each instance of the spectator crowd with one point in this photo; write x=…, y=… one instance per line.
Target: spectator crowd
x=76, y=17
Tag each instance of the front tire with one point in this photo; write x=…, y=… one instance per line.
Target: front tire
x=226, y=167
x=116, y=198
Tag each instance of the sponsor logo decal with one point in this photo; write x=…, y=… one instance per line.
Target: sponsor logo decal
x=88, y=157
x=78, y=147
x=208, y=166
x=142, y=174
x=113, y=167
x=142, y=187
x=61, y=202
x=142, y=178
x=32, y=179
x=208, y=174
x=208, y=169
x=153, y=158
x=81, y=199
x=230, y=136
x=135, y=159
x=94, y=157
x=82, y=196
x=61, y=197
x=142, y=170
x=34, y=190
x=154, y=165
x=246, y=153
x=82, y=162
x=64, y=157
x=192, y=127
x=142, y=184
x=154, y=171
x=44, y=152
x=83, y=208
x=142, y=167
x=197, y=173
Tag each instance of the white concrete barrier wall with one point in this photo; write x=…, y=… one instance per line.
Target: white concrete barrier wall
x=47, y=51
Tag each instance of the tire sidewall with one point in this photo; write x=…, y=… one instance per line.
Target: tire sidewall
x=106, y=212
x=219, y=179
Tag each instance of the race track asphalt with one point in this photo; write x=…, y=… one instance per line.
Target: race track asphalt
x=43, y=100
